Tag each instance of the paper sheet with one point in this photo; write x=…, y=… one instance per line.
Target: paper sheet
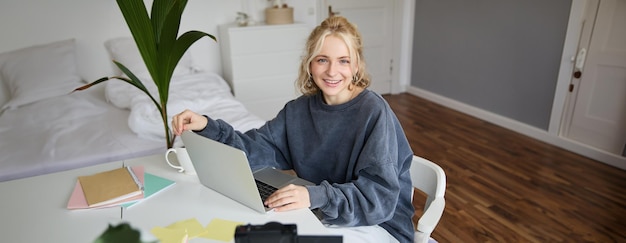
x=221, y=229
x=167, y=235
x=181, y=231
x=192, y=226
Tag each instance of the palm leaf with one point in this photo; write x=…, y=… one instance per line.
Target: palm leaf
x=156, y=36
x=89, y=85
x=138, y=21
x=122, y=232
x=134, y=81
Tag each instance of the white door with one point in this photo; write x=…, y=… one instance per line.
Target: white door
x=375, y=22
x=597, y=103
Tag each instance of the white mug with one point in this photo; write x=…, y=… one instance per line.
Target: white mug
x=184, y=161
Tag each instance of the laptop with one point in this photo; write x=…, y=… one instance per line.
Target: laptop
x=225, y=169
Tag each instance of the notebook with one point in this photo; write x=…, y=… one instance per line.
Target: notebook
x=226, y=170
x=79, y=201
x=111, y=187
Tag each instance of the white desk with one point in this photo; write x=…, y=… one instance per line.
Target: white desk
x=34, y=209
x=190, y=199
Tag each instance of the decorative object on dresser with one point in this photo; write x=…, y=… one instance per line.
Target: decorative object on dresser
x=261, y=64
x=278, y=13
x=243, y=19
x=160, y=46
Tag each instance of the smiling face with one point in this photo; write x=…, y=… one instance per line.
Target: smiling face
x=338, y=38
x=332, y=72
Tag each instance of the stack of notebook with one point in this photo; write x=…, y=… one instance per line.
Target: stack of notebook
x=118, y=187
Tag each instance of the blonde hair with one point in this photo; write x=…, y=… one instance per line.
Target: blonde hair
x=339, y=27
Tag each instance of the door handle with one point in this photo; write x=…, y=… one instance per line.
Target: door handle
x=580, y=62
x=330, y=11
x=580, y=58
x=577, y=74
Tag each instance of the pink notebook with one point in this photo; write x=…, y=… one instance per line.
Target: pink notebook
x=78, y=200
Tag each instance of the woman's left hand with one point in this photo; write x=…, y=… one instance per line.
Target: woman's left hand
x=288, y=198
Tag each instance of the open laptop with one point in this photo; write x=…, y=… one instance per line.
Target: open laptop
x=226, y=170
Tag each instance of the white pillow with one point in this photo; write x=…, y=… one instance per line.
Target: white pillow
x=39, y=72
x=124, y=50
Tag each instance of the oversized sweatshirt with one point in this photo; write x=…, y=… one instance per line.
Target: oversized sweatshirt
x=356, y=153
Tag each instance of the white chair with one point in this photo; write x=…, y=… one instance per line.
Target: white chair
x=429, y=178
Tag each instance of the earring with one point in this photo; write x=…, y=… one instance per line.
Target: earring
x=309, y=83
x=355, y=79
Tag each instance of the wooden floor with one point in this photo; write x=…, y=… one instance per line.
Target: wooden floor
x=506, y=187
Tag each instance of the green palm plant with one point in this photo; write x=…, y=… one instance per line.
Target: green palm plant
x=122, y=232
x=160, y=47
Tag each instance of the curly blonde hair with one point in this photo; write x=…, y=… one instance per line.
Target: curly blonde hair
x=339, y=27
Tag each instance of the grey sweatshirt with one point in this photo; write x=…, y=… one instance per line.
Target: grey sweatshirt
x=356, y=153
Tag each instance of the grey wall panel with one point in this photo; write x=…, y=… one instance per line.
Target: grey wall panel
x=501, y=56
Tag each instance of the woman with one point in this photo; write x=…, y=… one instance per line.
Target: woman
x=339, y=135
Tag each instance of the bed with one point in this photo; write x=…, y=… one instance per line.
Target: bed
x=45, y=128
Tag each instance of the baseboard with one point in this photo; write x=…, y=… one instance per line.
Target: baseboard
x=533, y=132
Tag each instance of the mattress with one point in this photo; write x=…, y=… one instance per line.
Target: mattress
x=66, y=132
x=84, y=128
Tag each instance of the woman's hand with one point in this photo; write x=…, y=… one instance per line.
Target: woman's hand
x=288, y=198
x=188, y=120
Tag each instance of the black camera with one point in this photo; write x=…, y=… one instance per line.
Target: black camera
x=271, y=232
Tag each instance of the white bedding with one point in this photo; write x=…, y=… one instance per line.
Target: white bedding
x=205, y=93
x=82, y=128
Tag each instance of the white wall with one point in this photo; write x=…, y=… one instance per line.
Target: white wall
x=25, y=23
x=30, y=22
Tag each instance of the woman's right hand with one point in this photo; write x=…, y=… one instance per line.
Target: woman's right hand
x=188, y=120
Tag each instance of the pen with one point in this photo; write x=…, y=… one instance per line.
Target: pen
x=132, y=174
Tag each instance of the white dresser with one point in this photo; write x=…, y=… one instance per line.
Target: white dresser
x=261, y=64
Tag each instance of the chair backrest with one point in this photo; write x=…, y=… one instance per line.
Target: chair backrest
x=429, y=178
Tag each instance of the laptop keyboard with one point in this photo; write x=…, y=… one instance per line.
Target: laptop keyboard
x=265, y=190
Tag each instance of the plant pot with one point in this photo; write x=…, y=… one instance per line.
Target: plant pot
x=279, y=16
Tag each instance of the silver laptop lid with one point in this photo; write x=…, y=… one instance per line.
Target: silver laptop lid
x=224, y=169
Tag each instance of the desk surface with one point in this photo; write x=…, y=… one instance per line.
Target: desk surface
x=34, y=209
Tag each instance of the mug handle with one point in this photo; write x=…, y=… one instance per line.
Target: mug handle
x=179, y=168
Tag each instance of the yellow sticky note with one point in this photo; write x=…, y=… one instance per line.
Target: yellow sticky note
x=221, y=229
x=193, y=227
x=167, y=235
